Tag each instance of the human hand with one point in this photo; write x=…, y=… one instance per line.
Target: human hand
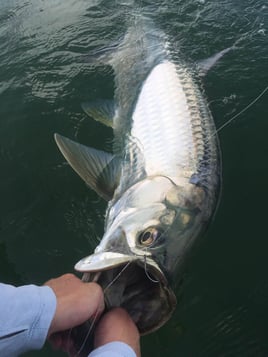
x=76, y=302
x=117, y=325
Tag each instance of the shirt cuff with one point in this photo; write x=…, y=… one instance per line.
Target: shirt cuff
x=39, y=329
x=113, y=349
x=26, y=313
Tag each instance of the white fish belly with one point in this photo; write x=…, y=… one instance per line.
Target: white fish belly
x=162, y=123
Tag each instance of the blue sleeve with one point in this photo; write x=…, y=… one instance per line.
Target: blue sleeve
x=26, y=313
x=113, y=349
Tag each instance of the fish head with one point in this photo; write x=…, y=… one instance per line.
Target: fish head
x=141, y=246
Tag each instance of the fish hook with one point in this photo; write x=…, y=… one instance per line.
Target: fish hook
x=146, y=272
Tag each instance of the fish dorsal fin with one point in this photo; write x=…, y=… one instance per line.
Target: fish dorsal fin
x=101, y=110
x=99, y=169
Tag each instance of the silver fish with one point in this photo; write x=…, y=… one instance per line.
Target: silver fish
x=162, y=180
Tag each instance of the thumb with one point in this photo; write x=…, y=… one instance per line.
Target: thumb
x=76, y=302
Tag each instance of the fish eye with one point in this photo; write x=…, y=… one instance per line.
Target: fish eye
x=149, y=236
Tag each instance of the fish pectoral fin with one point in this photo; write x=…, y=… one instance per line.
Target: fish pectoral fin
x=101, y=110
x=100, y=170
x=109, y=178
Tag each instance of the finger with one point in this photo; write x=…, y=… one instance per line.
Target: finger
x=117, y=325
x=63, y=341
x=55, y=341
x=76, y=302
x=78, y=307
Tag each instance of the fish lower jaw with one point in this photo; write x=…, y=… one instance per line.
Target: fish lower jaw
x=102, y=261
x=141, y=290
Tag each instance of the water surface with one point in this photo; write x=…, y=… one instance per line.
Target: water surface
x=49, y=219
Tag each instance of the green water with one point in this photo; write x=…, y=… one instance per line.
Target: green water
x=49, y=219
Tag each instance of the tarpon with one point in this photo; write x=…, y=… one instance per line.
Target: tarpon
x=161, y=182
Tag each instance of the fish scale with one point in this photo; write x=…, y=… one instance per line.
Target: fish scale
x=154, y=128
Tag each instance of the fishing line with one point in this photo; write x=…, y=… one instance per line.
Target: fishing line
x=88, y=333
x=146, y=272
x=116, y=277
x=85, y=278
x=69, y=336
x=164, y=233
x=242, y=111
x=104, y=290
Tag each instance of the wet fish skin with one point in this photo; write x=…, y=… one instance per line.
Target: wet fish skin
x=162, y=181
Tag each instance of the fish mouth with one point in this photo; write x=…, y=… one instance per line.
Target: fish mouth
x=136, y=284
